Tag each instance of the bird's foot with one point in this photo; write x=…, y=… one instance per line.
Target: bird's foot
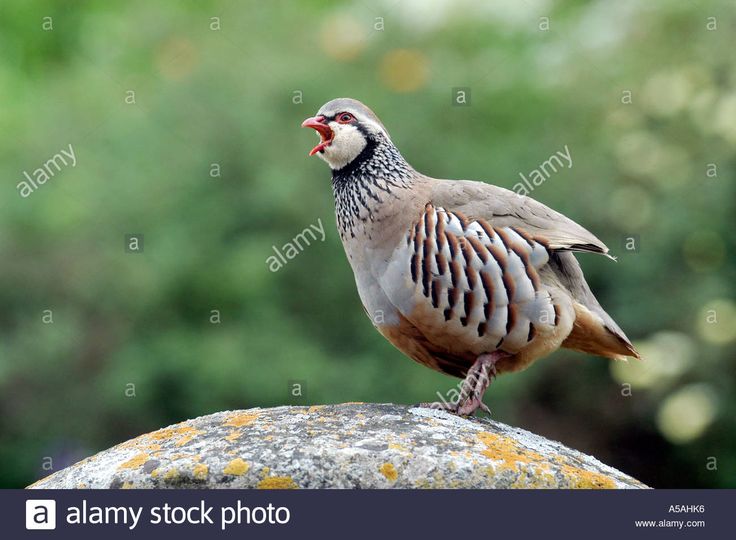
x=476, y=382
x=461, y=407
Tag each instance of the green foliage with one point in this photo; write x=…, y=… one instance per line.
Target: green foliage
x=205, y=96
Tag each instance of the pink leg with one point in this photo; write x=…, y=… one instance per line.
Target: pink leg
x=476, y=382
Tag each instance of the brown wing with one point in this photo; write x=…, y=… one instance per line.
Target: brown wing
x=505, y=208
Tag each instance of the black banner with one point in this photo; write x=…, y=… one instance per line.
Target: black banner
x=367, y=514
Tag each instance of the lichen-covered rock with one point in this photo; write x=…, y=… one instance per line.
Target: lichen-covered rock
x=339, y=446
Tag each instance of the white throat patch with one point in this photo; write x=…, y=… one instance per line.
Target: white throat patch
x=347, y=143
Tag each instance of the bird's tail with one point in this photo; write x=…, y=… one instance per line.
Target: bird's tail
x=594, y=331
x=593, y=334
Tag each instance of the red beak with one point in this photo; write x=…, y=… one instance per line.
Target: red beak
x=326, y=135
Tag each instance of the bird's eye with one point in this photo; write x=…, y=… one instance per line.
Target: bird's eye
x=345, y=117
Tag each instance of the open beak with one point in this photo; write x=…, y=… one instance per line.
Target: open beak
x=325, y=133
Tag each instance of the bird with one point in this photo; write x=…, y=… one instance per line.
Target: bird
x=467, y=278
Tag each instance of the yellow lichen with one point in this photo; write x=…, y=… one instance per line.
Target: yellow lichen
x=236, y=467
x=389, y=471
x=200, y=471
x=127, y=485
x=134, y=462
x=277, y=482
x=234, y=435
x=240, y=419
x=181, y=432
x=181, y=455
x=396, y=446
x=188, y=437
x=150, y=442
x=171, y=475
x=582, y=479
x=507, y=450
x=534, y=470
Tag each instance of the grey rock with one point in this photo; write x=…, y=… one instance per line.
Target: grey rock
x=339, y=446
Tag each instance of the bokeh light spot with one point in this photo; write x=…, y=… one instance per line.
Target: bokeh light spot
x=176, y=58
x=686, y=414
x=665, y=356
x=404, y=70
x=667, y=93
x=716, y=321
x=343, y=37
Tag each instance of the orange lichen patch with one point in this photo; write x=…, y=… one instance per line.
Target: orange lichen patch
x=184, y=434
x=277, y=482
x=507, y=450
x=142, y=442
x=240, y=419
x=150, y=442
x=582, y=479
x=188, y=437
x=135, y=461
x=389, y=471
x=534, y=470
x=233, y=436
x=200, y=471
x=236, y=467
x=315, y=408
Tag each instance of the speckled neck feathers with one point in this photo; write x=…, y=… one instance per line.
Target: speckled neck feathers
x=363, y=184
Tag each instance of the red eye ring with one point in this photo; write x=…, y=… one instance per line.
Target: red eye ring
x=344, y=118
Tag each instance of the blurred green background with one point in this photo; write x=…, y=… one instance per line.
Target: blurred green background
x=206, y=159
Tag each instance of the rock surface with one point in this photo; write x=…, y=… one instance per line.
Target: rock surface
x=339, y=446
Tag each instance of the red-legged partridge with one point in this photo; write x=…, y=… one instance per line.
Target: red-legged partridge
x=464, y=277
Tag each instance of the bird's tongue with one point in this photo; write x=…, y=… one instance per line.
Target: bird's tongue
x=321, y=146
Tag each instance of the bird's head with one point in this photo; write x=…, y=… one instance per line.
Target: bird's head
x=345, y=127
